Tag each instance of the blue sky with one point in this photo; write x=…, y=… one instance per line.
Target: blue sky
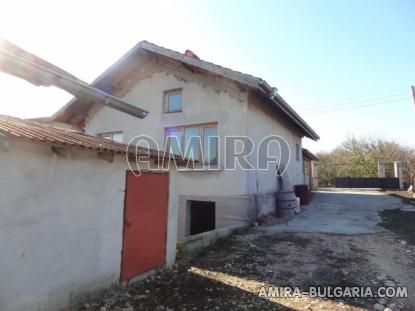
x=321, y=55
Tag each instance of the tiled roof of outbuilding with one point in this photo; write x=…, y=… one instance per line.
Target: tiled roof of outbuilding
x=39, y=132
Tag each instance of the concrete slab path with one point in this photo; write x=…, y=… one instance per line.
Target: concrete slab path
x=342, y=211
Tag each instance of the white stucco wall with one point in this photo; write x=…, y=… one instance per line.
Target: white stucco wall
x=206, y=99
x=263, y=122
x=61, y=225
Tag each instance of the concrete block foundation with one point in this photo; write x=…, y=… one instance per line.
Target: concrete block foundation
x=192, y=244
x=230, y=211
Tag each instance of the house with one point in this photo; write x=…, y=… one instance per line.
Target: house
x=73, y=216
x=188, y=97
x=310, y=169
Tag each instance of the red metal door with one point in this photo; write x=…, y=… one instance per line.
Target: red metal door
x=145, y=223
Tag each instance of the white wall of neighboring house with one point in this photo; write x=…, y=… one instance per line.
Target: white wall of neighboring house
x=61, y=222
x=206, y=99
x=311, y=173
x=307, y=172
x=314, y=174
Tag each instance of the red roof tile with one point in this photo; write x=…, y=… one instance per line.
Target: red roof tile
x=30, y=130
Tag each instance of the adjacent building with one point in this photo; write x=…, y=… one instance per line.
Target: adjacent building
x=310, y=169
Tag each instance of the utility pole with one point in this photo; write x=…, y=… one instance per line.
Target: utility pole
x=413, y=92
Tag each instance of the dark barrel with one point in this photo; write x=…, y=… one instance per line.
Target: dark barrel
x=301, y=191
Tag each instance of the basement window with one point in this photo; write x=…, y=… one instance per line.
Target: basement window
x=202, y=216
x=115, y=136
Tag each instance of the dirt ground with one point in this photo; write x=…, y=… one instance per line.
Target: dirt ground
x=230, y=274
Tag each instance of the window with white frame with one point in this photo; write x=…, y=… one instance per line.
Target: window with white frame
x=194, y=142
x=173, y=101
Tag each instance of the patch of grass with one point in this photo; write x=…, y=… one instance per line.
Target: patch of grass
x=400, y=222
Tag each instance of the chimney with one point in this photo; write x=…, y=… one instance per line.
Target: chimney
x=191, y=54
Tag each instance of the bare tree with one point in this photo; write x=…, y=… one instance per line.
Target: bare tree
x=358, y=157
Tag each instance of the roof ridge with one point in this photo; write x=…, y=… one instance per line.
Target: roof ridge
x=200, y=59
x=250, y=81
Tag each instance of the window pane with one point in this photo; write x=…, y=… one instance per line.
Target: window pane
x=175, y=139
x=106, y=136
x=174, y=102
x=115, y=136
x=210, y=145
x=192, y=143
x=118, y=137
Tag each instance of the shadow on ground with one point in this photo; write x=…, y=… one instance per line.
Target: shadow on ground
x=179, y=289
x=294, y=260
x=400, y=222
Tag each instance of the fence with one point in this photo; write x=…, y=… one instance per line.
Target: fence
x=383, y=183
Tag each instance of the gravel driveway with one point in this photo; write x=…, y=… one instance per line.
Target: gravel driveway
x=342, y=211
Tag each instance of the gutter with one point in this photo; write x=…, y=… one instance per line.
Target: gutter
x=282, y=104
x=41, y=75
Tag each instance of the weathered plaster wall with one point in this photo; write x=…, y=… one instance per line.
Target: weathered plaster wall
x=205, y=99
x=314, y=174
x=307, y=172
x=263, y=122
x=61, y=225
